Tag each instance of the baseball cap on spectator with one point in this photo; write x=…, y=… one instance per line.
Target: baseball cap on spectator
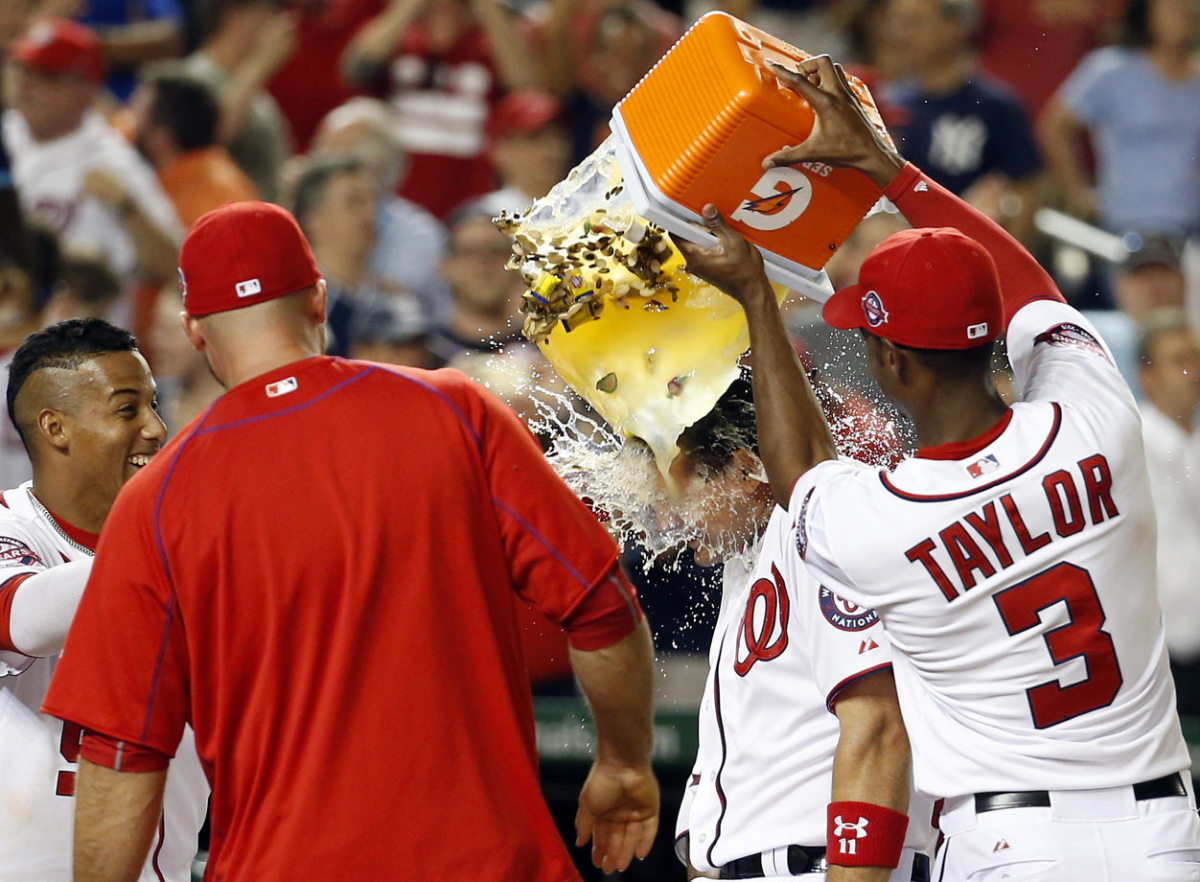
x=60, y=46
x=521, y=112
x=241, y=254
x=1153, y=250
x=925, y=289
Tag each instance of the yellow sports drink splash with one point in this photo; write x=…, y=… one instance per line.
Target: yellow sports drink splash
x=610, y=303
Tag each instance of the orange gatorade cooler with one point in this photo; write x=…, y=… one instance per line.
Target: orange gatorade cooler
x=696, y=129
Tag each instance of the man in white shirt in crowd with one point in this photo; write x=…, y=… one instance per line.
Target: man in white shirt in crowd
x=74, y=173
x=1169, y=371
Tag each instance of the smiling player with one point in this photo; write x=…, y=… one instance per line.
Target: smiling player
x=83, y=400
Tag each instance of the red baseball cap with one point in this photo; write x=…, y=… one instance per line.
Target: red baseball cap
x=241, y=254
x=57, y=46
x=924, y=288
x=522, y=111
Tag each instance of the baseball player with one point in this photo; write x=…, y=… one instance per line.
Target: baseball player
x=1011, y=560
x=324, y=584
x=799, y=681
x=82, y=399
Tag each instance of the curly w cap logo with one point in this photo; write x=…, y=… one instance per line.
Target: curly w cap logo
x=872, y=305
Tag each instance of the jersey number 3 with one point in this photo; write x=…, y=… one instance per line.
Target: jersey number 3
x=1021, y=607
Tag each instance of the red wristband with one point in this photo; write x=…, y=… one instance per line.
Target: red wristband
x=862, y=834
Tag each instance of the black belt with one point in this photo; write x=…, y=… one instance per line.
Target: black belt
x=803, y=860
x=1170, y=785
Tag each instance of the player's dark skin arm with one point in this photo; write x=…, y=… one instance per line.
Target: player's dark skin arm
x=792, y=433
x=872, y=762
x=116, y=814
x=618, y=806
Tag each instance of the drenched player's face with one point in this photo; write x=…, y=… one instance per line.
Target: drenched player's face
x=112, y=419
x=723, y=509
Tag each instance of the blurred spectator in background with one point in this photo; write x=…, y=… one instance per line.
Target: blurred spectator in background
x=484, y=295
x=1032, y=45
x=12, y=226
x=335, y=205
x=1169, y=354
x=130, y=33
x=1151, y=278
x=442, y=66
x=186, y=386
x=529, y=145
x=87, y=288
x=409, y=242
x=393, y=332
x=25, y=287
x=175, y=127
x=244, y=42
x=593, y=53
x=1138, y=103
x=968, y=131
x=310, y=83
x=15, y=16
x=74, y=173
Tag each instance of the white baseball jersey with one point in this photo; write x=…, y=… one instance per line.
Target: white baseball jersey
x=49, y=176
x=38, y=755
x=782, y=649
x=1015, y=575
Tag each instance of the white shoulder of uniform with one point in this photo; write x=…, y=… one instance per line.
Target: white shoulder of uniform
x=1058, y=355
x=819, y=498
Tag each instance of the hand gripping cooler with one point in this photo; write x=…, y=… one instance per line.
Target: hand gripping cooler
x=696, y=129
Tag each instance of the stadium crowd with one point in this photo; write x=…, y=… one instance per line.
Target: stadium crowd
x=394, y=130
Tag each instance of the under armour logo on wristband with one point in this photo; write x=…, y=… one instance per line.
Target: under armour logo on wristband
x=849, y=846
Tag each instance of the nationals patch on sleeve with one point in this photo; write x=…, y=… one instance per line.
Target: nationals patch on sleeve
x=1068, y=334
x=15, y=552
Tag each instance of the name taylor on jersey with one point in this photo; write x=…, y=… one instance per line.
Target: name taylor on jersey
x=1076, y=499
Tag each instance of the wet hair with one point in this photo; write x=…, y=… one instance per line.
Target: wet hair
x=65, y=345
x=712, y=441
x=187, y=107
x=310, y=186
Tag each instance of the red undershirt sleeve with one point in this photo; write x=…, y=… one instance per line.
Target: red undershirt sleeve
x=8, y=590
x=607, y=614
x=925, y=203
x=120, y=756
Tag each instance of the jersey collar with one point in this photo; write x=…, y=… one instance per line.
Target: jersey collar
x=963, y=449
x=76, y=534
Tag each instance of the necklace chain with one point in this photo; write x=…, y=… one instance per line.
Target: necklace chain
x=37, y=503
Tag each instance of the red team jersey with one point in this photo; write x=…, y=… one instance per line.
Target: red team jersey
x=328, y=599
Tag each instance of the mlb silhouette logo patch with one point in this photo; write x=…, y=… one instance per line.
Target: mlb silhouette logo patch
x=282, y=387
x=977, y=332
x=249, y=288
x=981, y=467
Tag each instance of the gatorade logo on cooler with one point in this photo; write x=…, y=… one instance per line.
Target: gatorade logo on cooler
x=783, y=195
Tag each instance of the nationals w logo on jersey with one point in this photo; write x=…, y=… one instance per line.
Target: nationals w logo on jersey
x=767, y=608
x=844, y=614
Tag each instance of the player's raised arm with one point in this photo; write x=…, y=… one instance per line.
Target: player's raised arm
x=792, y=433
x=843, y=136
